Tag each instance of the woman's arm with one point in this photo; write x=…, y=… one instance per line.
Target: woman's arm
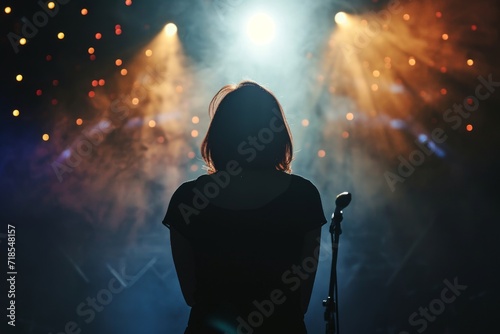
x=311, y=250
x=183, y=255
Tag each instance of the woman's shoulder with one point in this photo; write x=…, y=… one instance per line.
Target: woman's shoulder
x=301, y=181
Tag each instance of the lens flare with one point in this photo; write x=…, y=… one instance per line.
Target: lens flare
x=261, y=29
x=170, y=29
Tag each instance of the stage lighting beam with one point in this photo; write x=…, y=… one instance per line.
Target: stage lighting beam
x=170, y=29
x=261, y=29
x=341, y=19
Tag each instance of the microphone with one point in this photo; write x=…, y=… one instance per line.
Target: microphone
x=342, y=201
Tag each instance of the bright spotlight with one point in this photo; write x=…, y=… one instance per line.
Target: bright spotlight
x=261, y=29
x=341, y=18
x=170, y=29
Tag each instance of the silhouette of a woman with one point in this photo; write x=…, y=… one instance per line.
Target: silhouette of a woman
x=245, y=237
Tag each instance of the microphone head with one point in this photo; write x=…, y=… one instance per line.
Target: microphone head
x=343, y=200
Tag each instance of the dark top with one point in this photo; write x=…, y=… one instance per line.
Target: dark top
x=247, y=233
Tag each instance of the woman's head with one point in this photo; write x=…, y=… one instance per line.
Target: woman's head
x=248, y=126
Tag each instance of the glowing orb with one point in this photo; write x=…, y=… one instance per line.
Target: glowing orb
x=261, y=29
x=341, y=18
x=170, y=29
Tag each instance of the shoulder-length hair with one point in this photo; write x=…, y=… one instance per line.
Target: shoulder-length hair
x=248, y=127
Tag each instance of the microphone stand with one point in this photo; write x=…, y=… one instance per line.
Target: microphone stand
x=331, y=315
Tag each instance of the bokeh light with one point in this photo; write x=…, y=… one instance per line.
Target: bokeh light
x=45, y=137
x=170, y=29
x=261, y=29
x=341, y=18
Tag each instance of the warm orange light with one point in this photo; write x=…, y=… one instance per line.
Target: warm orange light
x=84, y=11
x=443, y=91
x=469, y=127
x=376, y=74
x=15, y=112
x=148, y=53
x=194, y=133
x=305, y=122
x=412, y=61
x=23, y=41
x=191, y=155
x=444, y=37
x=45, y=137
x=60, y=35
x=406, y=17
x=439, y=15
x=118, y=62
x=152, y=123
x=102, y=82
x=321, y=153
x=19, y=77
x=135, y=101
x=51, y=5
x=345, y=134
x=374, y=87
x=8, y=10
x=91, y=94
x=123, y=71
x=79, y=121
x=98, y=35
x=195, y=120
x=91, y=50
x=349, y=116
x=470, y=62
